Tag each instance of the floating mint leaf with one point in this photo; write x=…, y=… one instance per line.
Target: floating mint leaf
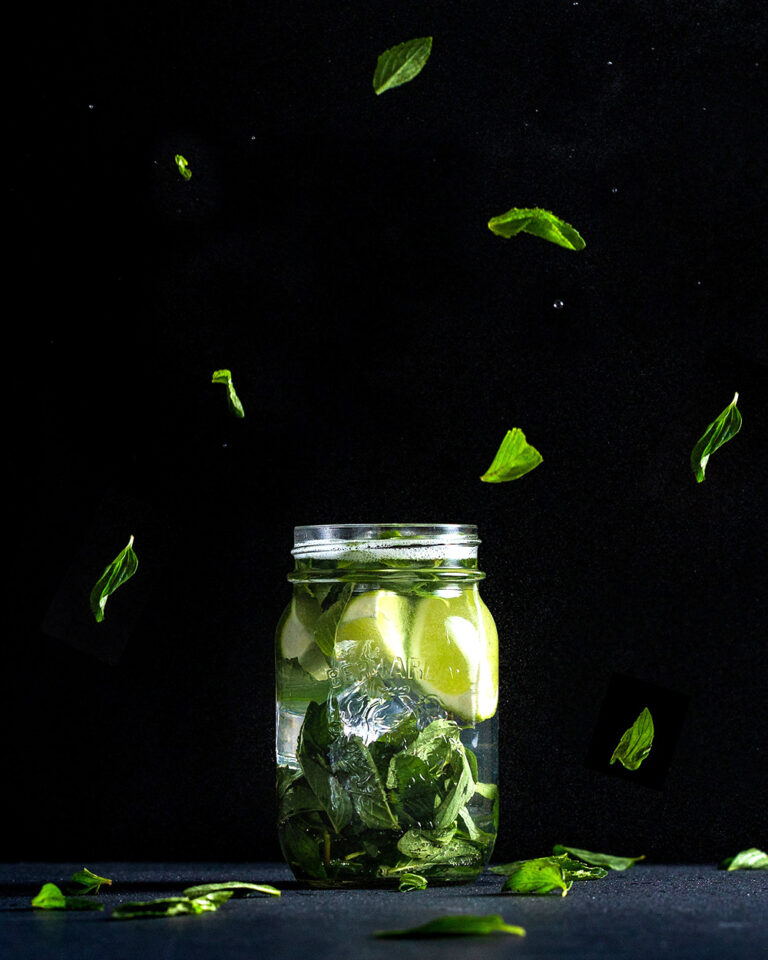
x=751, y=859
x=540, y=223
x=239, y=888
x=635, y=743
x=225, y=377
x=539, y=875
x=598, y=859
x=461, y=925
x=121, y=569
x=720, y=431
x=51, y=898
x=170, y=906
x=400, y=64
x=412, y=881
x=183, y=166
x=514, y=458
x=89, y=881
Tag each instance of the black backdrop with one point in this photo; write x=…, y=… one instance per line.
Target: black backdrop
x=331, y=249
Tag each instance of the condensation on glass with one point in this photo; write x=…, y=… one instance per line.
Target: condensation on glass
x=387, y=687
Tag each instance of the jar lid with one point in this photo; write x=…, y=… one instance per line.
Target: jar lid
x=386, y=540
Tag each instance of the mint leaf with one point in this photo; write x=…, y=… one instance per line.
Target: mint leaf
x=635, y=743
x=51, y=898
x=412, y=881
x=318, y=731
x=540, y=223
x=540, y=875
x=233, y=401
x=514, y=458
x=89, y=881
x=461, y=925
x=401, y=63
x=181, y=163
x=751, y=859
x=238, y=888
x=327, y=622
x=598, y=859
x=352, y=763
x=170, y=906
x=121, y=569
x=720, y=431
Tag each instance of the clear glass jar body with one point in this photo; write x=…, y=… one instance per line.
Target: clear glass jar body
x=387, y=686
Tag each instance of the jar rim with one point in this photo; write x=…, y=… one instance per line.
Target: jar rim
x=334, y=538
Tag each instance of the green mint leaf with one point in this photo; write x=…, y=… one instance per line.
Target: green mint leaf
x=233, y=401
x=302, y=849
x=540, y=875
x=89, y=881
x=51, y=898
x=170, y=906
x=514, y=458
x=183, y=166
x=238, y=888
x=540, y=223
x=352, y=763
x=318, y=731
x=598, y=859
x=635, y=743
x=720, y=431
x=401, y=63
x=326, y=623
x=751, y=859
x=121, y=569
x=412, y=881
x=461, y=925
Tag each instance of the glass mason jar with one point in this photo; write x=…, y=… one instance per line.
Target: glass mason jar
x=387, y=685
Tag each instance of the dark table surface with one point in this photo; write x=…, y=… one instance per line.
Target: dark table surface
x=651, y=911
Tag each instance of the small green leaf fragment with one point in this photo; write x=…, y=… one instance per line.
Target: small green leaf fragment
x=171, y=906
x=401, y=63
x=598, y=859
x=51, y=898
x=121, y=569
x=751, y=859
x=536, y=876
x=183, y=166
x=539, y=223
x=720, y=431
x=458, y=925
x=636, y=742
x=412, y=881
x=238, y=888
x=514, y=458
x=89, y=881
x=233, y=401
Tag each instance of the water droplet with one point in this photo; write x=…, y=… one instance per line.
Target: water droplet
x=610, y=63
x=698, y=283
x=90, y=106
x=224, y=445
x=558, y=304
x=253, y=138
x=614, y=189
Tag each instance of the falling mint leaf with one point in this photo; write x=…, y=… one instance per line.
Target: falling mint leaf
x=89, y=881
x=540, y=223
x=51, y=898
x=170, y=906
x=225, y=377
x=121, y=569
x=751, y=859
x=598, y=859
x=459, y=925
x=514, y=458
x=720, y=431
x=539, y=875
x=238, y=887
x=400, y=64
x=183, y=166
x=412, y=881
x=635, y=743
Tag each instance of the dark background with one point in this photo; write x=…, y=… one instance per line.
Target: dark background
x=331, y=249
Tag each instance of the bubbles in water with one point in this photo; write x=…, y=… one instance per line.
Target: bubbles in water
x=558, y=304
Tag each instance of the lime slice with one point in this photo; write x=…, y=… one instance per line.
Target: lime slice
x=370, y=637
x=454, y=640
x=296, y=636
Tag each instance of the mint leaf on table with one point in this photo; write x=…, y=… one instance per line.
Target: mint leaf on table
x=751, y=859
x=51, y=898
x=598, y=859
x=458, y=925
x=238, y=888
x=635, y=743
x=412, y=881
x=170, y=906
x=514, y=458
x=89, y=881
x=720, y=431
x=540, y=223
x=183, y=166
x=233, y=401
x=115, y=575
x=539, y=875
x=572, y=869
x=401, y=63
